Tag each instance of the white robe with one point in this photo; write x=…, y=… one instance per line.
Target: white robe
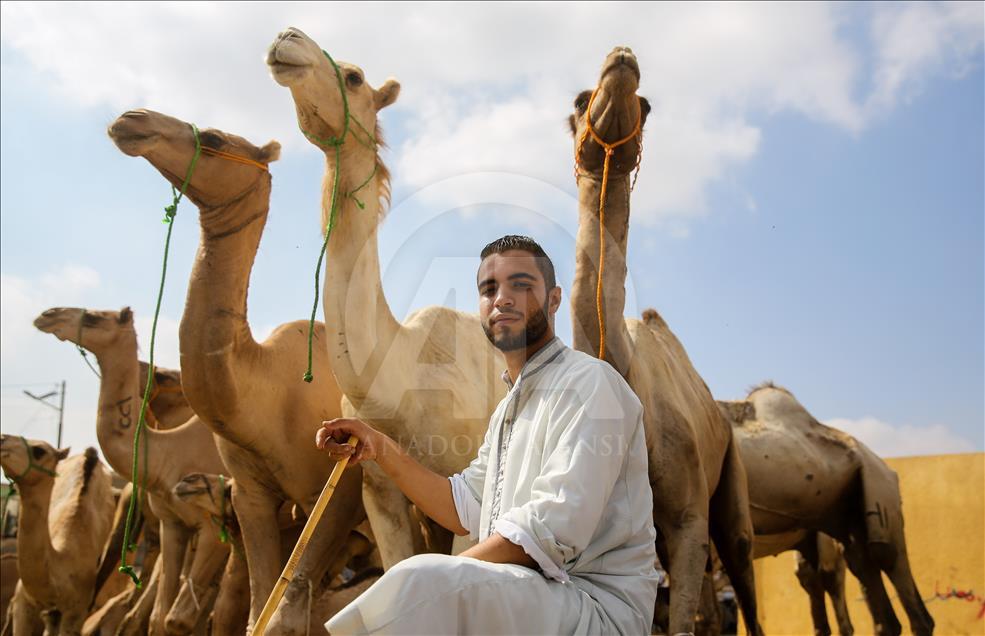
x=563, y=474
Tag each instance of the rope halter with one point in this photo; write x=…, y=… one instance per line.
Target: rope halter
x=30, y=464
x=610, y=150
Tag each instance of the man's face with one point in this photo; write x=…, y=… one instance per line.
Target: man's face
x=515, y=307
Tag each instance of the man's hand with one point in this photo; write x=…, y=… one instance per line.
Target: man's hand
x=332, y=435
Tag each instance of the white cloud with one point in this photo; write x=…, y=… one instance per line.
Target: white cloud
x=911, y=39
x=487, y=87
x=888, y=440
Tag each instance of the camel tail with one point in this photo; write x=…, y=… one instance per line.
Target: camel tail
x=883, y=510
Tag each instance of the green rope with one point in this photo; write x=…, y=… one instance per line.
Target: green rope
x=78, y=346
x=223, y=532
x=169, y=214
x=335, y=142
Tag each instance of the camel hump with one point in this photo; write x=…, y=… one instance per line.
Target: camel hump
x=653, y=319
x=89, y=467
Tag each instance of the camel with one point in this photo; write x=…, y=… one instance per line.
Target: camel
x=170, y=454
x=405, y=379
x=250, y=394
x=806, y=477
x=697, y=477
x=66, y=514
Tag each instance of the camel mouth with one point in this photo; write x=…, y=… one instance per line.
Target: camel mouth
x=129, y=138
x=623, y=66
x=287, y=74
x=290, y=58
x=50, y=324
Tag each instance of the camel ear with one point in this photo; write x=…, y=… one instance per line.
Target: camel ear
x=644, y=110
x=126, y=315
x=386, y=94
x=269, y=153
x=62, y=453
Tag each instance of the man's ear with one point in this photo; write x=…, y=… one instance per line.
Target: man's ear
x=386, y=94
x=554, y=300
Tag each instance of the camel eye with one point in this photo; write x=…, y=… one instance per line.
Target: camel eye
x=37, y=451
x=353, y=79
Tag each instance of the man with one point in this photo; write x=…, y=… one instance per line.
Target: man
x=558, y=497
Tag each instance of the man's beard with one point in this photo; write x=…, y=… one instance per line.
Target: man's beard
x=537, y=326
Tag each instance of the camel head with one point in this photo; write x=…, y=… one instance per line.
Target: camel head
x=615, y=111
x=206, y=492
x=298, y=63
x=90, y=329
x=169, y=145
x=29, y=461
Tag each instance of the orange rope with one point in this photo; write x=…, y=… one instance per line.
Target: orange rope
x=232, y=157
x=610, y=149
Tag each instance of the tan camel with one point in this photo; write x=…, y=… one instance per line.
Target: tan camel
x=250, y=394
x=805, y=476
x=170, y=454
x=695, y=472
x=214, y=496
x=63, y=524
x=406, y=379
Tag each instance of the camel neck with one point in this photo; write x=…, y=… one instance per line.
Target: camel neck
x=356, y=311
x=34, y=549
x=584, y=306
x=214, y=327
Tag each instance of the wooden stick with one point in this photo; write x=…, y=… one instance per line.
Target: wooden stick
x=309, y=528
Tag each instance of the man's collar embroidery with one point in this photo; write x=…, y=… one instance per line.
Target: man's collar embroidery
x=541, y=358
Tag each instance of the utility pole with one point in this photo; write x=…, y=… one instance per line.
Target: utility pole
x=60, y=408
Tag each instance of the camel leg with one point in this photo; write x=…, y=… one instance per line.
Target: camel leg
x=389, y=516
x=232, y=606
x=135, y=623
x=174, y=544
x=921, y=622
x=810, y=579
x=731, y=529
x=708, y=620
x=343, y=514
x=256, y=508
x=687, y=545
x=833, y=580
x=870, y=578
x=210, y=555
x=23, y=616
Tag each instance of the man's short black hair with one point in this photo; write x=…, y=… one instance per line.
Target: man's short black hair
x=527, y=244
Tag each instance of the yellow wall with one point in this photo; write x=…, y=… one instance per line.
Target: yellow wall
x=944, y=517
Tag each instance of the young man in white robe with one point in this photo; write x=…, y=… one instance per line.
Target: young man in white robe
x=558, y=497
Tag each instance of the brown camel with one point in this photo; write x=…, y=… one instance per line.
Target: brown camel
x=697, y=478
x=63, y=524
x=170, y=454
x=250, y=394
x=804, y=477
x=405, y=379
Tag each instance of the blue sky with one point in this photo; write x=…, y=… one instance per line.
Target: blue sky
x=810, y=206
